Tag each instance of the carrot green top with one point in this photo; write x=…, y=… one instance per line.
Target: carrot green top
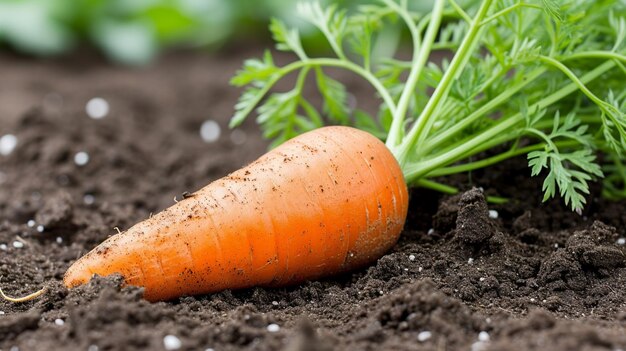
x=544, y=78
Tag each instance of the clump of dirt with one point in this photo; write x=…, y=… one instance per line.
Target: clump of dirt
x=466, y=274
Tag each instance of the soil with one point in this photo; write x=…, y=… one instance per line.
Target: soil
x=537, y=277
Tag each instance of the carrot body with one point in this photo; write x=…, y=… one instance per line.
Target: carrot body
x=325, y=202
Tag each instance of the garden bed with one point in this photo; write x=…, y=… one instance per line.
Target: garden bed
x=531, y=276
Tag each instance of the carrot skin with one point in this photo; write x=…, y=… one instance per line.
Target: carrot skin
x=325, y=202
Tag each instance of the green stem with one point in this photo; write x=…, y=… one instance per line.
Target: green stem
x=472, y=144
x=456, y=66
x=509, y=9
x=541, y=135
x=446, y=189
x=571, y=75
x=461, y=12
x=548, y=124
x=421, y=52
x=450, y=190
x=438, y=139
x=594, y=54
x=610, y=110
x=488, y=144
x=466, y=167
x=302, y=79
x=334, y=45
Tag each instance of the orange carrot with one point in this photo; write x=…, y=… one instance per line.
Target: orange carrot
x=325, y=202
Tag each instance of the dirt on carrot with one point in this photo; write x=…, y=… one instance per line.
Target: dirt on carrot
x=529, y=275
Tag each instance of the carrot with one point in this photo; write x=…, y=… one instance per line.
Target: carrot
x=325, y=202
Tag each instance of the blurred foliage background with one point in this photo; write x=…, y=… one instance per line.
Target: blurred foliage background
x=134, y=31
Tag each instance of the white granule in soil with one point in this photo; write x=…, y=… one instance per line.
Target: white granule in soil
x=210, y=131
x=8, y=143
x=97, y=108
x=81, y=158
x=273, y=328
x=171, y=342
x=423, y=336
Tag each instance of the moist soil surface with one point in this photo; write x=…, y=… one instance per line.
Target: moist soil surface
x=465, y=275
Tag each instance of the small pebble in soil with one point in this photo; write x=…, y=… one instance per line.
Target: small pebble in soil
x=483, y=336
x=431, y=231
x=40, y=228
x=97, y=108
x=273, y=328
x=275, y=303
x=621, y=241
x=420, y=269
x=93, y=348
x=3, y=247
x=238, y=137
x=18, y=244
x=1, y=312
x=423, y=336
x=89, y=199
x=556, y=246
x=171, y=342
x=59, y=321
x=411, y=257
x=470, y=260
x=479, y=346
x=8, y=142
x=210, y=131
x=209, y=349
x=59, y=240
x=493, y=214
x=81, y=158
x=31, y=223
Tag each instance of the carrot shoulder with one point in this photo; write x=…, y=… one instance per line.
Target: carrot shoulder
x=325, y=202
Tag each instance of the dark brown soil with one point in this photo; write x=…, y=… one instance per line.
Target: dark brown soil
x=538, y=277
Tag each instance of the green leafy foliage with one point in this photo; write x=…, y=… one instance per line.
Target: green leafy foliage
x=569, y=171
x=544, y=78
x=286, y=39
x=335, y=98
x=133, y=32
x=130, y=32
x=255, y=70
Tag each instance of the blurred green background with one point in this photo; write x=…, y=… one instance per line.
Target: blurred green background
x=135, y=31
